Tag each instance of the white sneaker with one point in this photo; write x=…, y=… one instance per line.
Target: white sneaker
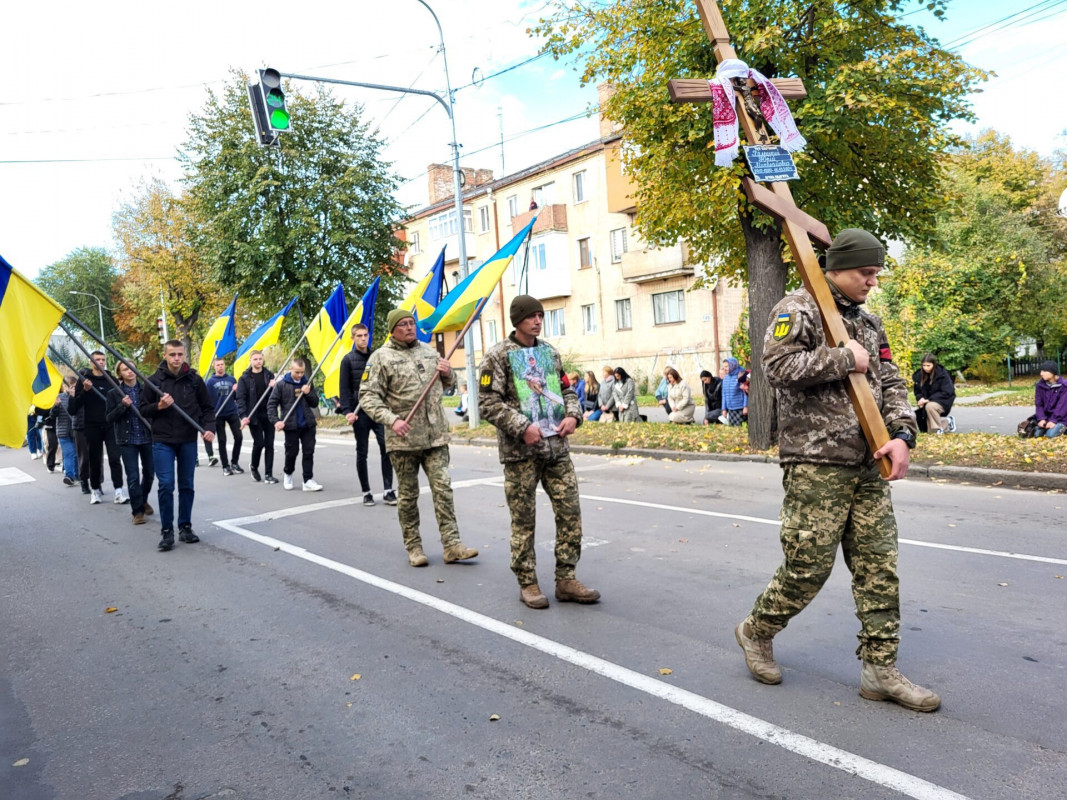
x=121, y=496
x=287, y=482
x=951, y=424
x=35, y=456
x=95, y=497
x=724, y=420
x=311, y=485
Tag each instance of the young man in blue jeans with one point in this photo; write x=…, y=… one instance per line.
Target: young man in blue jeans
x=174, y=439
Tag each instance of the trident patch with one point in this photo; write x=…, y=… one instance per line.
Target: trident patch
x=782, y=326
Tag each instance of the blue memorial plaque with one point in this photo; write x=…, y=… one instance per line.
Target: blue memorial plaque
x=770, y=163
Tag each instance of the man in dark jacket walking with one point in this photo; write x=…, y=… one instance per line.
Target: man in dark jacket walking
x=256, y=382
x=97, y=433
x=291, y=408
x=934, y=393
x=353, y=366
x=174, y=439
x=134, y=439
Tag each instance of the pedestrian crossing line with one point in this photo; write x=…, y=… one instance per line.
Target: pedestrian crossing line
x=765, y=521
x=805, y=746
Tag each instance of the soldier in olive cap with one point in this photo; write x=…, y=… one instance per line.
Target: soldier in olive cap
x=395, y=377
x=530, y=458
x=834, y=496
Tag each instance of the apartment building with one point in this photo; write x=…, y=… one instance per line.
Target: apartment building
x=609, y=298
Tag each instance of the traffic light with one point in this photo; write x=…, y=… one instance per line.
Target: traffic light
x=162, y=333
x=270, y=84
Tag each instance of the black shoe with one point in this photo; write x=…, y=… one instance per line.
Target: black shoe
x=167, y=542
x=212, y=461
x=255, y=475
x=368, y=499
x=85, y=487
x=227, y=471
x=236, y=468
x=268, y=478
x=185, y=534
x=67, y=481
x=389, y=498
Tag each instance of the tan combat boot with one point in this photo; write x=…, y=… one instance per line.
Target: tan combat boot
x=886, y=683
x=759, y=655
x=459, y=552
x=417, y=558
x=532, y=596
x=573, y=590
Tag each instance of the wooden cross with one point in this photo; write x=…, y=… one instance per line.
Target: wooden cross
x=800, y=229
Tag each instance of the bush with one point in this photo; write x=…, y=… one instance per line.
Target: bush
x=987, y=368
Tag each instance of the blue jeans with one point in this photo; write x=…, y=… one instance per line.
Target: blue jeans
x=1055, y=430
x=138, y=481
x=70, y=457
x=33, y=435
x=164, y=455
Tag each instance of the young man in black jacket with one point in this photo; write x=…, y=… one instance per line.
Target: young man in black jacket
x=256, y=382
x=353, y=366
x=291, y=409
x=97, y=433
x=134, y=439
x=174, y=439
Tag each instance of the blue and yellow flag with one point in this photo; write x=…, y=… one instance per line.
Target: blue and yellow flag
x=27, y=318
x=364, y=313
x=260, y=339
x=423, y=299
x=459, y=305
x=221, y=339
x=47, y=384
x=327, y=324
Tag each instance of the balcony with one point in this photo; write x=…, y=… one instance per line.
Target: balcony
x=655, y=264
x=549, y=218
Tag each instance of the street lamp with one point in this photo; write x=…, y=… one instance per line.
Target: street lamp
x=468, y=342
x=99, y=308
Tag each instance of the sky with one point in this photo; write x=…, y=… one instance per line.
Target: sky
x=96, y=97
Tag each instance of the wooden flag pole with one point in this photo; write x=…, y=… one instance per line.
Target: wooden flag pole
x=799, y=228
x=455, y=344
x=285, y=363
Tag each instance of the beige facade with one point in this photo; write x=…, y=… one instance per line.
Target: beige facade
x=609, y=299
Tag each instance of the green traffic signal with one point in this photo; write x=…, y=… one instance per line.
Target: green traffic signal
x=279, y=119
x=270, y=82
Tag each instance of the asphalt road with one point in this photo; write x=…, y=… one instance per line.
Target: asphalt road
x=294, y=654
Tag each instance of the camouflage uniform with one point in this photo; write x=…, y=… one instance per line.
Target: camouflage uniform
x=394, y=378
x=834, y=495
x=547, y=462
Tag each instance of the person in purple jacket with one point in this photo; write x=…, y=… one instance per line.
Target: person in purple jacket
x=1050, y=401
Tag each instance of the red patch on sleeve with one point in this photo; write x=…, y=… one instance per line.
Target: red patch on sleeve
x=564, y=380
x=884, y=353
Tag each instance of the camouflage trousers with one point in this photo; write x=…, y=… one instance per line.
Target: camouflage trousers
x=828, y=506
x=520, y=489
x=434, y=463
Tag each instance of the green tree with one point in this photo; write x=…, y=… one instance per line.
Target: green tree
x=995, y=271
x=90, y=270
x=154, y=230
x=273, y=223
x=881, y=95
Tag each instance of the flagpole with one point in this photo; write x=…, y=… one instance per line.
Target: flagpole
x=285, y=363
x=105, y=373
x=329, y=350
x=77, y=374
x=434, y=377
x=124, y=360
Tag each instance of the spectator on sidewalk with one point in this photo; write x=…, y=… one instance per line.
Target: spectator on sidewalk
x=592, y=391
x=734, y=400
x=1050, y=401
x=662, y=390
x=934, y=394
x=712, y=397
x=605, y=398
x=624, y=393
x=679, y=398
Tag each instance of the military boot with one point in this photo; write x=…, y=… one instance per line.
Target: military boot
x=886, y=683
x=532, y=596
x=459, y=552
x=573, y=590
x=759, y=655
x=417, y=558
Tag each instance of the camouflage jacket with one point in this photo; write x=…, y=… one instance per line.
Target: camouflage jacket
x=498, y=403
x=394, y=378
x=816, y=421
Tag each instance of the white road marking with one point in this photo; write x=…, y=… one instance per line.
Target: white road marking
x=9, y=476
x=764, y=521
x=805, y=746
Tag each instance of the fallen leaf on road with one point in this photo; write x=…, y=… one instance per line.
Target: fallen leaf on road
x=951, y=525
x=837, y=702
x=518, y=622
x=110, y=610
x=736, y=524
x=21, y=762
x=665, y=671
x=1059, y=577
x=1002, y=584
x=348, y=705
x=440, y=580
x=356, y=677
x=683, y=541
x=494, y=717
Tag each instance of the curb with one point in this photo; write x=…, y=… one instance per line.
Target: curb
x=1044, y=481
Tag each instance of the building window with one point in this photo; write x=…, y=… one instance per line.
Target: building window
x=443, y=225
x=483, y=219
x=490, y=332
x=578, y=181
x=589, y=318
x=513, y=206
x=554, y=325
x=668, y=307
x=544, y=195
x=623, y=320
x=414, y=248
x=618, y=244
x=537, y=257
x=585, y=258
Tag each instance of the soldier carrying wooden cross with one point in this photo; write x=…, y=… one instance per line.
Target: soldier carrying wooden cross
x=822, y=352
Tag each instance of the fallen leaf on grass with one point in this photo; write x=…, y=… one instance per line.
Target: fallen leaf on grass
x=665, y=671
x=110, y=610
x=356, y=677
